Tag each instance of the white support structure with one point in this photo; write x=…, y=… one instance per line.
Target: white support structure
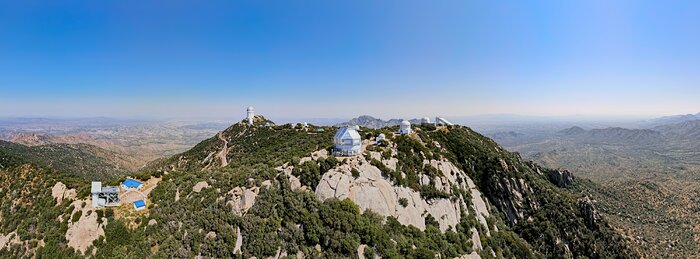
x=104, y=196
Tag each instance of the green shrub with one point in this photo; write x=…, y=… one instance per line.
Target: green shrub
x=355, y=172
x=403, y=202
x=76, y=216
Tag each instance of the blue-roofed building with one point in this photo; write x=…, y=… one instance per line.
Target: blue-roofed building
x=139, y=205
x=131, y=184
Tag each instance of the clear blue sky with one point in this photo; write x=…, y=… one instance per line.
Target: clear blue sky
x=346, y=58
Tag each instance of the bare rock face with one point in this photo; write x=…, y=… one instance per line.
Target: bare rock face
x=372, y=191
x=561, y=179
x=591, y=216
x=476, y=241
x=60, y=192
x=473, y=255
x=82, y=233
x=241, y=199
x=480, y=206
x=512, y=195
x=199, y=186
x=239, y=241
x=10, y=239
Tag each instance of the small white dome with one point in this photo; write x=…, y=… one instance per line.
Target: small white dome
x=405, y=123
x=426, y=120
x=250, y=108
x=356, y=127
x=382, y=136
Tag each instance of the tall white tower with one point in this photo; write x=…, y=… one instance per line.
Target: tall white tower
x=251, y=114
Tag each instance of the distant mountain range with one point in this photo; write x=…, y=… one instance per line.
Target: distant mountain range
x=614, y=135
x=675, y=119
x=687, y=132
x=649, y=175
x=374, y=123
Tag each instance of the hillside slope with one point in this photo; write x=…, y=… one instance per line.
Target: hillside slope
x=646, y=180
x=272, y=191
x=81, y=160
x=36, y=209
x=453, y=179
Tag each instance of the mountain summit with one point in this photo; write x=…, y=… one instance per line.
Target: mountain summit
x=268, y=190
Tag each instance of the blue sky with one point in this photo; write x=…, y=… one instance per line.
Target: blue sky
x=345, y=58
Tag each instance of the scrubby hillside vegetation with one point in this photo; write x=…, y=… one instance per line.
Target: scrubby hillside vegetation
x=80, y=160
x=273, y=191
x=32, y=224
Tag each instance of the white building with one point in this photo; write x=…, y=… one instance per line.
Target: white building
x=347, y=142
x=405, y=127
x=425, y=120
x=379, y=139
x=440, y=121
x=104, y=196
x=250, y=115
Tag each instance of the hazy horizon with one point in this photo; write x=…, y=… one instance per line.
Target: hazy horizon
x=343, y=59
x=481, y=118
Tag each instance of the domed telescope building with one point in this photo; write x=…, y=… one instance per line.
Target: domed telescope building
x=347, y=142
x=250, y=115
x=405, y=127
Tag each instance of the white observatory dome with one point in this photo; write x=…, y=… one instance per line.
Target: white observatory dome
x=426, y=120
x=405, y=127
x=250, y=109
